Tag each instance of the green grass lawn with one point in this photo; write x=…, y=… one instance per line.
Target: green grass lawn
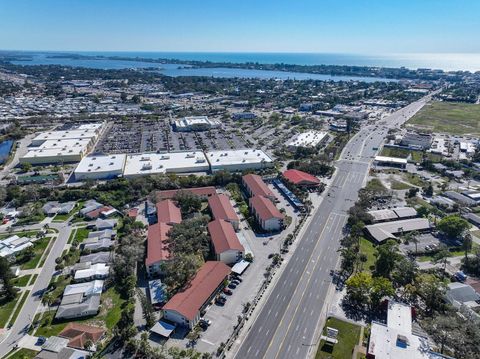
x=23, y=354
x=6, y=309
x=397, y=185
x=348, y=337
x=38, y=247
x=81, y=234
x=34, y=278
x=449, y=117
x=21, y=281
x=395, y=152
x=61, y=282
x=109, y=315
x=367, y=248
x=414, y=179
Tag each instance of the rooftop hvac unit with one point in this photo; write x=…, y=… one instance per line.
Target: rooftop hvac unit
x=146, y=166
x=190, y=155
x=200, y=160
x=111, y=163
x=90, y=165
x=165, y=157
x=246, y=152
x=145, y=159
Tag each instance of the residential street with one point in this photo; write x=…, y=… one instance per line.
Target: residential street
x=27, y=313
x=288, y=324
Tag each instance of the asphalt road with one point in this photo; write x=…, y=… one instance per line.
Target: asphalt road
x=285, y=327
x=27, y=314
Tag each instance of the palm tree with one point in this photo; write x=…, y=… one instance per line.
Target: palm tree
x=442, y=257
x=47, y=299
x=467, y=245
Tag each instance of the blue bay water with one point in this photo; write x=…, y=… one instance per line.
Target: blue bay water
x=447, y=62
x=5, y=148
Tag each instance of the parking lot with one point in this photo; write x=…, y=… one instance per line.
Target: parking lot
x=158, y=136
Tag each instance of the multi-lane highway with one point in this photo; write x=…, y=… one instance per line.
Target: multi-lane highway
x=286, y=325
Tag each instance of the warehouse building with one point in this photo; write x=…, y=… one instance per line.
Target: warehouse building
x=238, y=160
x=196, y=123
x=160, y=163
x=385, y=215
x=226, y=246
x=222, y=208
x=266, y=214
x=100, y=167
x=184, y=308
x=53, y=156
x=308, y=139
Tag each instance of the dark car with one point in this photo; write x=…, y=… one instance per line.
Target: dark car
x=236, y=282
x=232, y=286
x=41, y=341
x=227, y=291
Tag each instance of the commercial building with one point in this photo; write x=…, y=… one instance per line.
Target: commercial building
x=159, y=163
x=395, y=340
x=391, y=161
x=226, y=246
x=266, y=214
x=100, y=167
x=238, y=160
x=385, y=215
x=308, y=139
x=461, y=294
x=300, y=178
x=157, y=248
x=255, y=186
x=168, y=212
x=339, y=126
x=460, y=198
x=421, y=141
x=184, y=307
x=196, y=123
x=222, y=208
x=380, y=232
x=66, y=146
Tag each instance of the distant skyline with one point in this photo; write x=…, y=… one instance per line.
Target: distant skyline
x=341, y=26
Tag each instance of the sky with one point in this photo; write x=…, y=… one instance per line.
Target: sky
x=336, y=26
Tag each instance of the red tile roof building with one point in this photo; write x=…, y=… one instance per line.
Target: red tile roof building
x=97, y=212
x=226, y=245
x=184, y=307
x=301, y=178
x=79, y=334
x=157, y=247
x=203, y=192
x=256, y=187
x=221, y=208
x=266, y=214
x=168, y=212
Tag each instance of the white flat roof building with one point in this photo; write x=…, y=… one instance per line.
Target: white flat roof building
x=69, y=143
x=196, y=123
x=171, y=162
x=100, y=167
x=395, y=340
x=391, y=161
x=238, y=160
x=64, y=135
x=52, y=155
x=308, y=139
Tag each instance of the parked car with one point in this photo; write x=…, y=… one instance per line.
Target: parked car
x=41, y=341
x=227, y=291
x=236, y=282
x=232, y=286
